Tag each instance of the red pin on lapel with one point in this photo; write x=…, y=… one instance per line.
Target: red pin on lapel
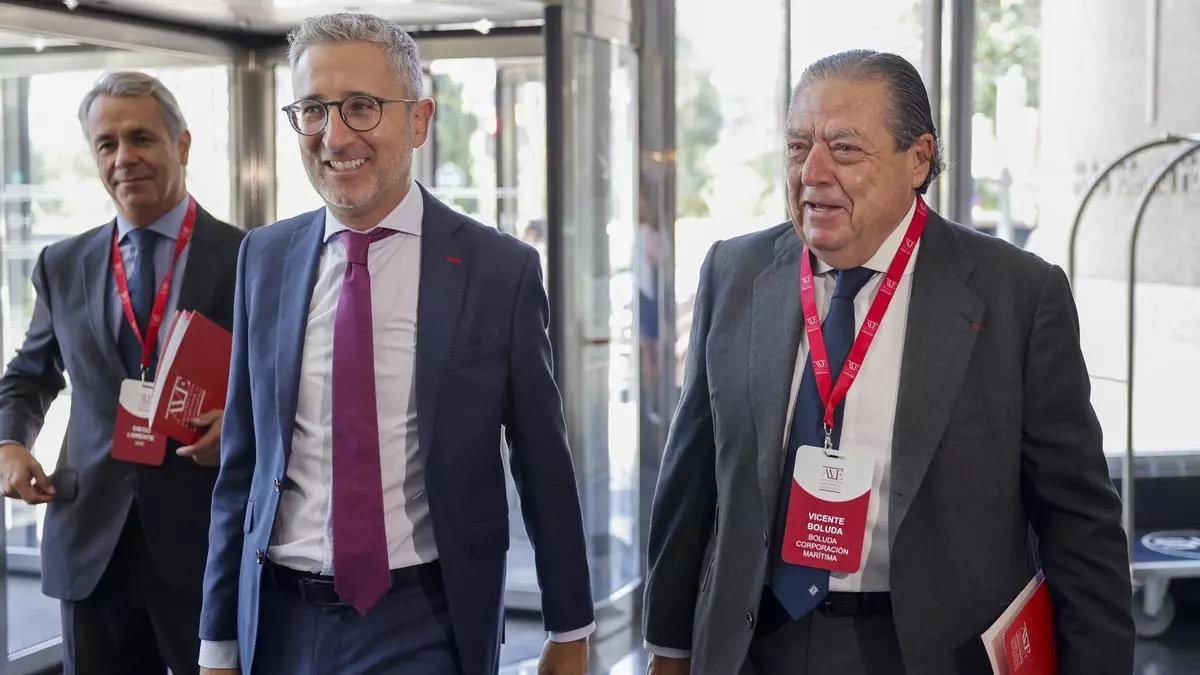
x=456, y=261
x=976, y=326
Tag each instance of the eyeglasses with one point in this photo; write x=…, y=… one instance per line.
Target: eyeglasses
x=361, y=112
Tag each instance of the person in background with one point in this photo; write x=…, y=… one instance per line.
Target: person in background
x=124, y=543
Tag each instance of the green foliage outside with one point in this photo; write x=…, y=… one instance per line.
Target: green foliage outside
x=453, y=126
x=697, y=125
x=1007, y=33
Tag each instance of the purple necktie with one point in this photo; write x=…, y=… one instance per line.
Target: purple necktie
x=360, y=554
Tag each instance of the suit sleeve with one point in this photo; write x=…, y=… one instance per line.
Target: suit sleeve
x=35, y=375
x=681, y=519
x=1069, y=496
x=541, y=461
x=218, y=619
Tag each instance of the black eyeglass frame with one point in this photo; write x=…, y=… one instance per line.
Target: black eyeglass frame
x=291, y=110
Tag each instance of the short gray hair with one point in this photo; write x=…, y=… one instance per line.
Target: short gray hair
x=133, y=83
x=352, y=27
x=909, y=115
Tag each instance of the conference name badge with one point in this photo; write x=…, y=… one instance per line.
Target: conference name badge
x=827, y=509
x=133, y=441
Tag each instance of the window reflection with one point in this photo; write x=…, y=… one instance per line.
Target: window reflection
x=1042, y=128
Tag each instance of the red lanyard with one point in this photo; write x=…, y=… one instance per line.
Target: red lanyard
x=164, y=289
x=831, y=394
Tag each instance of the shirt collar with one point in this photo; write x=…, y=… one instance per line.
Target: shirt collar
x=406, y=217
x=883, y=257
x=168, y=224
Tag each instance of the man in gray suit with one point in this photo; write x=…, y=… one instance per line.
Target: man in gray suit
x=970, y=411
x=124, y=544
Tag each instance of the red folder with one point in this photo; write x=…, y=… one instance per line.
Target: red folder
x=1021, y=642
x=193, y=375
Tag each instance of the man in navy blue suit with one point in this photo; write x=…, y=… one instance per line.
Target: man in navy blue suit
x=381, y=345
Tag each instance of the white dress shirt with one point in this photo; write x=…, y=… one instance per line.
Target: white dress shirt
x=869, y=414
x=302, y=537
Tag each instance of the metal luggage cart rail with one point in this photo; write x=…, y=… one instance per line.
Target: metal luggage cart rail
x=1155, y=558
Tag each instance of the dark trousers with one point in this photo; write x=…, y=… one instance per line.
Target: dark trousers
x=133, y=623
x=407, y=633
x=817, y=644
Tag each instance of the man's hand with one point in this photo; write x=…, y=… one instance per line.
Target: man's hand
x=564, y=658
x=22, y=476
x=207, y=450
x=661, y=665
x=218, y=671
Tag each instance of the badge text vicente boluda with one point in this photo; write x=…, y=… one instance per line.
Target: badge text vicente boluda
x=827, y=510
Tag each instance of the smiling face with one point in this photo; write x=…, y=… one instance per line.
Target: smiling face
x=141, y=166
x=848, y=185
x=361, y=175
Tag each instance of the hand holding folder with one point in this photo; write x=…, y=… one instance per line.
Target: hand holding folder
x=1021, y=641
x=193, y=375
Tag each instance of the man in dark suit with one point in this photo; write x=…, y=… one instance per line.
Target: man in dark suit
x=381, y=344
x=970, y=409
x=124, y=544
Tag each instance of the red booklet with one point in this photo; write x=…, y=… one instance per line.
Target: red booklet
x=1021, y=642
x=193, y=375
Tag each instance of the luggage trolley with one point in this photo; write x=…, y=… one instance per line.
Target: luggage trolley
x=1155, y=557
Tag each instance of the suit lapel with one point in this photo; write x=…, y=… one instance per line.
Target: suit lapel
x=444, y=266
x=97, y=270
x=774, y=339
x=199, y=277
x=297, y=276
x=937, y=350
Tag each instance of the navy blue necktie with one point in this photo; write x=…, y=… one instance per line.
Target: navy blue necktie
x=800, y=589
x=141, y=294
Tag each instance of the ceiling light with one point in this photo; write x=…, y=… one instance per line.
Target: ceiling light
x=483, y=26
x=71, y=4
x=39, y=44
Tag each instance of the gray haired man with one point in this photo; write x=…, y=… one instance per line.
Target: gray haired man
x=381, y=343
x=967, y=423
x=124, y=542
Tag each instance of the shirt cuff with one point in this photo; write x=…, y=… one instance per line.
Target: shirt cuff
x=218, y=654
x=667, y=651
x=573, y=635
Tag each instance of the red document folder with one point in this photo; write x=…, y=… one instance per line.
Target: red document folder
x=1021, y=642
x=193, y=375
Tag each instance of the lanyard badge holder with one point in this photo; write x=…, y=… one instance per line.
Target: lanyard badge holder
x=831, y=489
x=133, y=440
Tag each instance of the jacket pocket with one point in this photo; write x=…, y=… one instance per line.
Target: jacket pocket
x=976, y=424
x=473, y=354
x=489, y=538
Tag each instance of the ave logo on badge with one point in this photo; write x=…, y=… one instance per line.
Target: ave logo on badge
x=827, y=510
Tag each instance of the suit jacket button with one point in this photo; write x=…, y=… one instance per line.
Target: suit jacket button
x=750, y=620
x=259, y=556
x=277, y=484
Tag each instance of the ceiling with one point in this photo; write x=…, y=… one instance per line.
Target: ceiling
x=280, y=16
x=27, y=41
